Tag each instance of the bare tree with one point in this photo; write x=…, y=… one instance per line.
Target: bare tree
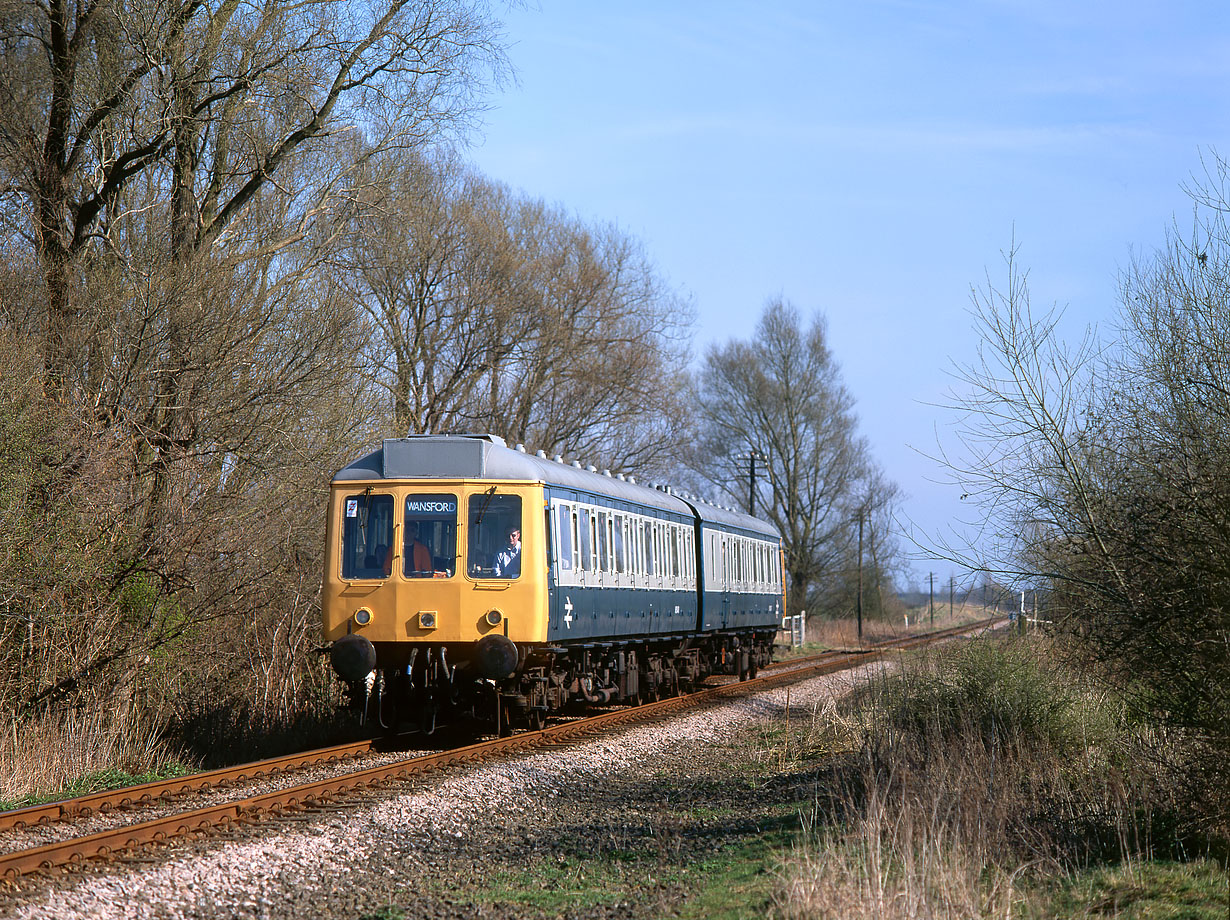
x=170, y=175
x=207, y=103
x=781, y=396
x=490, y=311
x=1101, y=471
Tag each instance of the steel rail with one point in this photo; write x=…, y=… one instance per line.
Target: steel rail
x=309, y=796
x=165, y=789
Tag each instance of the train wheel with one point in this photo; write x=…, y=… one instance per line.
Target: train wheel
x=503, y=718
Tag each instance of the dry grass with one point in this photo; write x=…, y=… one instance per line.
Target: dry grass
x=895, y=860
x=54, y=753
x=843, y=632
x=957, y=780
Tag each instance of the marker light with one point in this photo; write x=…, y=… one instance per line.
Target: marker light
x=362, y=616
x=494, y=618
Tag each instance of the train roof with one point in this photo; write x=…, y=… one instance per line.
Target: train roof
x=488, y=457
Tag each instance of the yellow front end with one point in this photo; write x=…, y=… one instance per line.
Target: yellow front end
x=419, y=562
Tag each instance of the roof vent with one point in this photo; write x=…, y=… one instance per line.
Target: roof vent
x=622, y=478
x=520, y=448
x=606, y=473
x=632, y=479
x=558, y=458
x=592, y=468
x=577, y=464
x=541, y=454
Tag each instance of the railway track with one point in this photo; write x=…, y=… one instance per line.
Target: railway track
x=133, y=840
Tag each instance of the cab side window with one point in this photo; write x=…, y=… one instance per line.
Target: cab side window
x=494, y=548
x=367, y=536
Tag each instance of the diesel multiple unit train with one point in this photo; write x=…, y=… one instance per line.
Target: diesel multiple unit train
x=465, y=577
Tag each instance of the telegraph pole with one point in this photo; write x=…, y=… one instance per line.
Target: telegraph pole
x=931, y=575
x=860, y=575
x=951, y=579
x=751, y=480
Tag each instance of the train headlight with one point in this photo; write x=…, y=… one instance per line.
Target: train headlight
x=494, y=618
x=362, y=616
x=427, y=619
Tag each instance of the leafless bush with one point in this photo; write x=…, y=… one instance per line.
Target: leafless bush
x=1101, y=473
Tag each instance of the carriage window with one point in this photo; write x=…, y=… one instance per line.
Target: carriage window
x=367, y=536
x=565, y=518
x=634, y=546
x=620, y=559
x=577, y=559
x=604, y=547
x=584, y=541
x=430, y=549
x=495, y=536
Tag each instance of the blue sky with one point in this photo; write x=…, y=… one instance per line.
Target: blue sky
x=870, y=160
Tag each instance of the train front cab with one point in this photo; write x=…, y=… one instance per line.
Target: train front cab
x=414, y=586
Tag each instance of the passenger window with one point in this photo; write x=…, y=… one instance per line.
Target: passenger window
x=620, y=560
x=604, y=547
x=564, y=518
x=494, y=549
x=367, y=536
x=584, y=542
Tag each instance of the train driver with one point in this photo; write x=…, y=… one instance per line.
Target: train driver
x=418, y=556
x=508, y=560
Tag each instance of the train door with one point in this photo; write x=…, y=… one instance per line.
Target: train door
x=727, y=574
x=553, y=564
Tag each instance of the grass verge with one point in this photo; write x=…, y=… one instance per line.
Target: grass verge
x=988, y=780
x=99, y=782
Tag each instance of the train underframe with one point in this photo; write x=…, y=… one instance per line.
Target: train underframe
x=506, y=687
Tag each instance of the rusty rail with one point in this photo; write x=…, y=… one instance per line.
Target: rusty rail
x=166, y=789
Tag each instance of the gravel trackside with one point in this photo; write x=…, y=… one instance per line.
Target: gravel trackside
x=425, y=846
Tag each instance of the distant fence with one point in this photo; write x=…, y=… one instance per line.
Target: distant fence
x=794, y=631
